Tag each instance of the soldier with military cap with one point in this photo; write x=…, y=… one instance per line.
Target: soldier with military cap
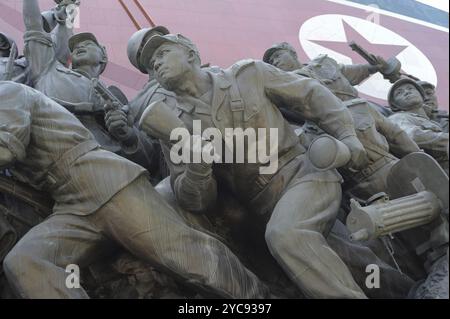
x=102, y=201
x=73, y=87
x=151, y=90
x=248, y=95
x=380, y=137
x=407, y=99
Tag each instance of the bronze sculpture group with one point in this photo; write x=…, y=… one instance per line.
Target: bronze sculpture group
x=96, y=155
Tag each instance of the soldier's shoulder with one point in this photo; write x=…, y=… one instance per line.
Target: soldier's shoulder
x=11, y=86
x=402, y=116
x=62, y=69
x=322, y=58
x=242, y=65
x=13, y=89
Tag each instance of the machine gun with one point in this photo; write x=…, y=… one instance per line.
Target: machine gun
x=391, y=72
x=417, y=195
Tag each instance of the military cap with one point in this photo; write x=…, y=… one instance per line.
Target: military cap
x=85, y=36
x=279, y=46
x=136, y=44
x=156, y=41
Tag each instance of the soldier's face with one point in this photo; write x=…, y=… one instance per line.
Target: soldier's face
x=284, y=60
x=87, y=53
x=170, y=65
x=407, y=97
x=430, y=96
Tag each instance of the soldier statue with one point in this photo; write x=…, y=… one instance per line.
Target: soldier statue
x=248, y=95
x=101, y=200
x=407, y=99
x=431, y=105
x=74, y=87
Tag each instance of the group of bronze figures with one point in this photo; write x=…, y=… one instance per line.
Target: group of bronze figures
x=85, y=171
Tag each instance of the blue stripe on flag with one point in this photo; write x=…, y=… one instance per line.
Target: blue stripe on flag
x=411, y=8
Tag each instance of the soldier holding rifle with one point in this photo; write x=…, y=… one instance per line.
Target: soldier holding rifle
x=74, y=89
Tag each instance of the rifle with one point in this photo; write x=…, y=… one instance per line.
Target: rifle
x=9, y=71
x=391, y=72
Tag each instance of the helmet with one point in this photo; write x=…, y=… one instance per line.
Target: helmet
x=136, y=44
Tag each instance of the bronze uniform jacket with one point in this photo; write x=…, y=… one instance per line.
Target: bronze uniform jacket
x=262, y=90
x=40, y=133
x=76, y=93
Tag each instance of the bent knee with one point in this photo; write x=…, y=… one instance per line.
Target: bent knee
x=287, y=238
x=19, y=263
x=13, y=264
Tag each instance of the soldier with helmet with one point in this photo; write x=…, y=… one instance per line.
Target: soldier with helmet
x=431, y=105
x=247, y=96
x=12, y=67
x=407, y=98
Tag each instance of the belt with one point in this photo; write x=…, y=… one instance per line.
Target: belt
x=371, y=169
x=262, y=180
x=58, y=172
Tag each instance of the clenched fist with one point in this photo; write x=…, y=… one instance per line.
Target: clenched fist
x=359, y=158
x=116, y=121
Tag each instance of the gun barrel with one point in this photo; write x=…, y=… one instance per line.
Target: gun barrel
x=363, y=53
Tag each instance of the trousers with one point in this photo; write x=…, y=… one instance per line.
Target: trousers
x=140, y=221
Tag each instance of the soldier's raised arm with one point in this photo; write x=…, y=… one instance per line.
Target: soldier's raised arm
x=39, y=46
x=32, y=15
x=313, y=102
x=357, y=73
x=400, y=143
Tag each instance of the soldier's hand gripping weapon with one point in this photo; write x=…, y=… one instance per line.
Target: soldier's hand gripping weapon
x=417, y=195
x=9, y=71
x=391, y=71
